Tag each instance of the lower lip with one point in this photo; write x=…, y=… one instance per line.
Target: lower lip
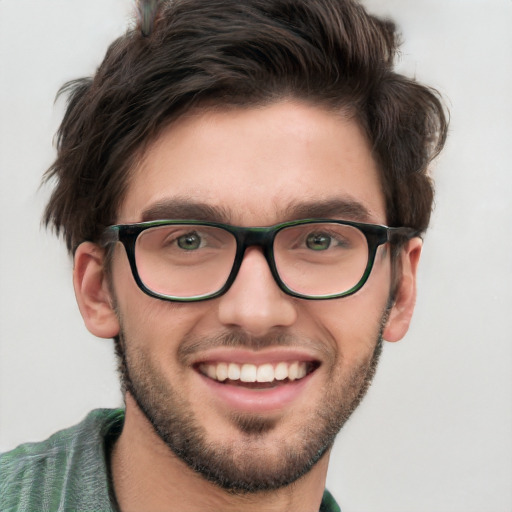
x=257, y=400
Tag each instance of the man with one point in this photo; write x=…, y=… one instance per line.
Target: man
x=224, y=183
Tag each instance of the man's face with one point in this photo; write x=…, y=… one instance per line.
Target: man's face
x=252, y=167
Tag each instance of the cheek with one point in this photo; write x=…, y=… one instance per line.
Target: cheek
x=154, y=321
x=352, y=324
x=150, y=325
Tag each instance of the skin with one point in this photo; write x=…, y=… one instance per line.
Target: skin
x=255, y=165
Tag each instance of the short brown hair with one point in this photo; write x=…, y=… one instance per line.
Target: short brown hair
x=242, y=53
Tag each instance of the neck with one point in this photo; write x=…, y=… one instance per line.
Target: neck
x=147, y=475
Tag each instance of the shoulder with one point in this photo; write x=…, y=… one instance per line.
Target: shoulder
x=329, y=503
x=68, y=468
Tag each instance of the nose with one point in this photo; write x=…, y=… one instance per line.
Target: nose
x=254, y=302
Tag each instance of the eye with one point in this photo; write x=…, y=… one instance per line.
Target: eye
x=189, y=242
x=318, y=241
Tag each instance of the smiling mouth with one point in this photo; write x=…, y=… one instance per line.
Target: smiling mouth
x=267, y=375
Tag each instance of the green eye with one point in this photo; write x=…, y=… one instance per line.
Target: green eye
x=318, y=242
x=189, y=242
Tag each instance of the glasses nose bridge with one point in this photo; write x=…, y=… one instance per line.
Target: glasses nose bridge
x=256, y=236
x=261, y=237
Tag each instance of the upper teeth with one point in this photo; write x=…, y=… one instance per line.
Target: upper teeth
x=254, y=373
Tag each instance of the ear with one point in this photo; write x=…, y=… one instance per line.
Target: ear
x=92, y=291
x=405, y=299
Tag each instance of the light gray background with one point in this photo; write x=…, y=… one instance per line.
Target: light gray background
x=435, y=432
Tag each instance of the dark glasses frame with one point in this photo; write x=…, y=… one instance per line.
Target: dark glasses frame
x=263, y=237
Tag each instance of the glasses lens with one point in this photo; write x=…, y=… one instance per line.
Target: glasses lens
x=321, y=259
x=184, y=260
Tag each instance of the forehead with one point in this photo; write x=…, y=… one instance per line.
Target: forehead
x=257, y=166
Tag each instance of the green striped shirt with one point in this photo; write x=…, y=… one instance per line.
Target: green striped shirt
x=68, y=472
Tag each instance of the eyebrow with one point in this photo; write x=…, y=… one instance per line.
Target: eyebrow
x=183, y=208
x=343, y=208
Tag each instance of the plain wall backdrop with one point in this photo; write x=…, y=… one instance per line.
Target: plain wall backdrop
x=435, y=431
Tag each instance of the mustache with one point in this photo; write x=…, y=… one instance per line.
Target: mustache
x=238, y=338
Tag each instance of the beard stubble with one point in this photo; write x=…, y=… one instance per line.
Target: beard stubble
x=247, y=467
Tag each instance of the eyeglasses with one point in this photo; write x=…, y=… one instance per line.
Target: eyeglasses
x=188, y=260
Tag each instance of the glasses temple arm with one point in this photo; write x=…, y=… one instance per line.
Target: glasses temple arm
x=402, y=234
x=109, y=236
